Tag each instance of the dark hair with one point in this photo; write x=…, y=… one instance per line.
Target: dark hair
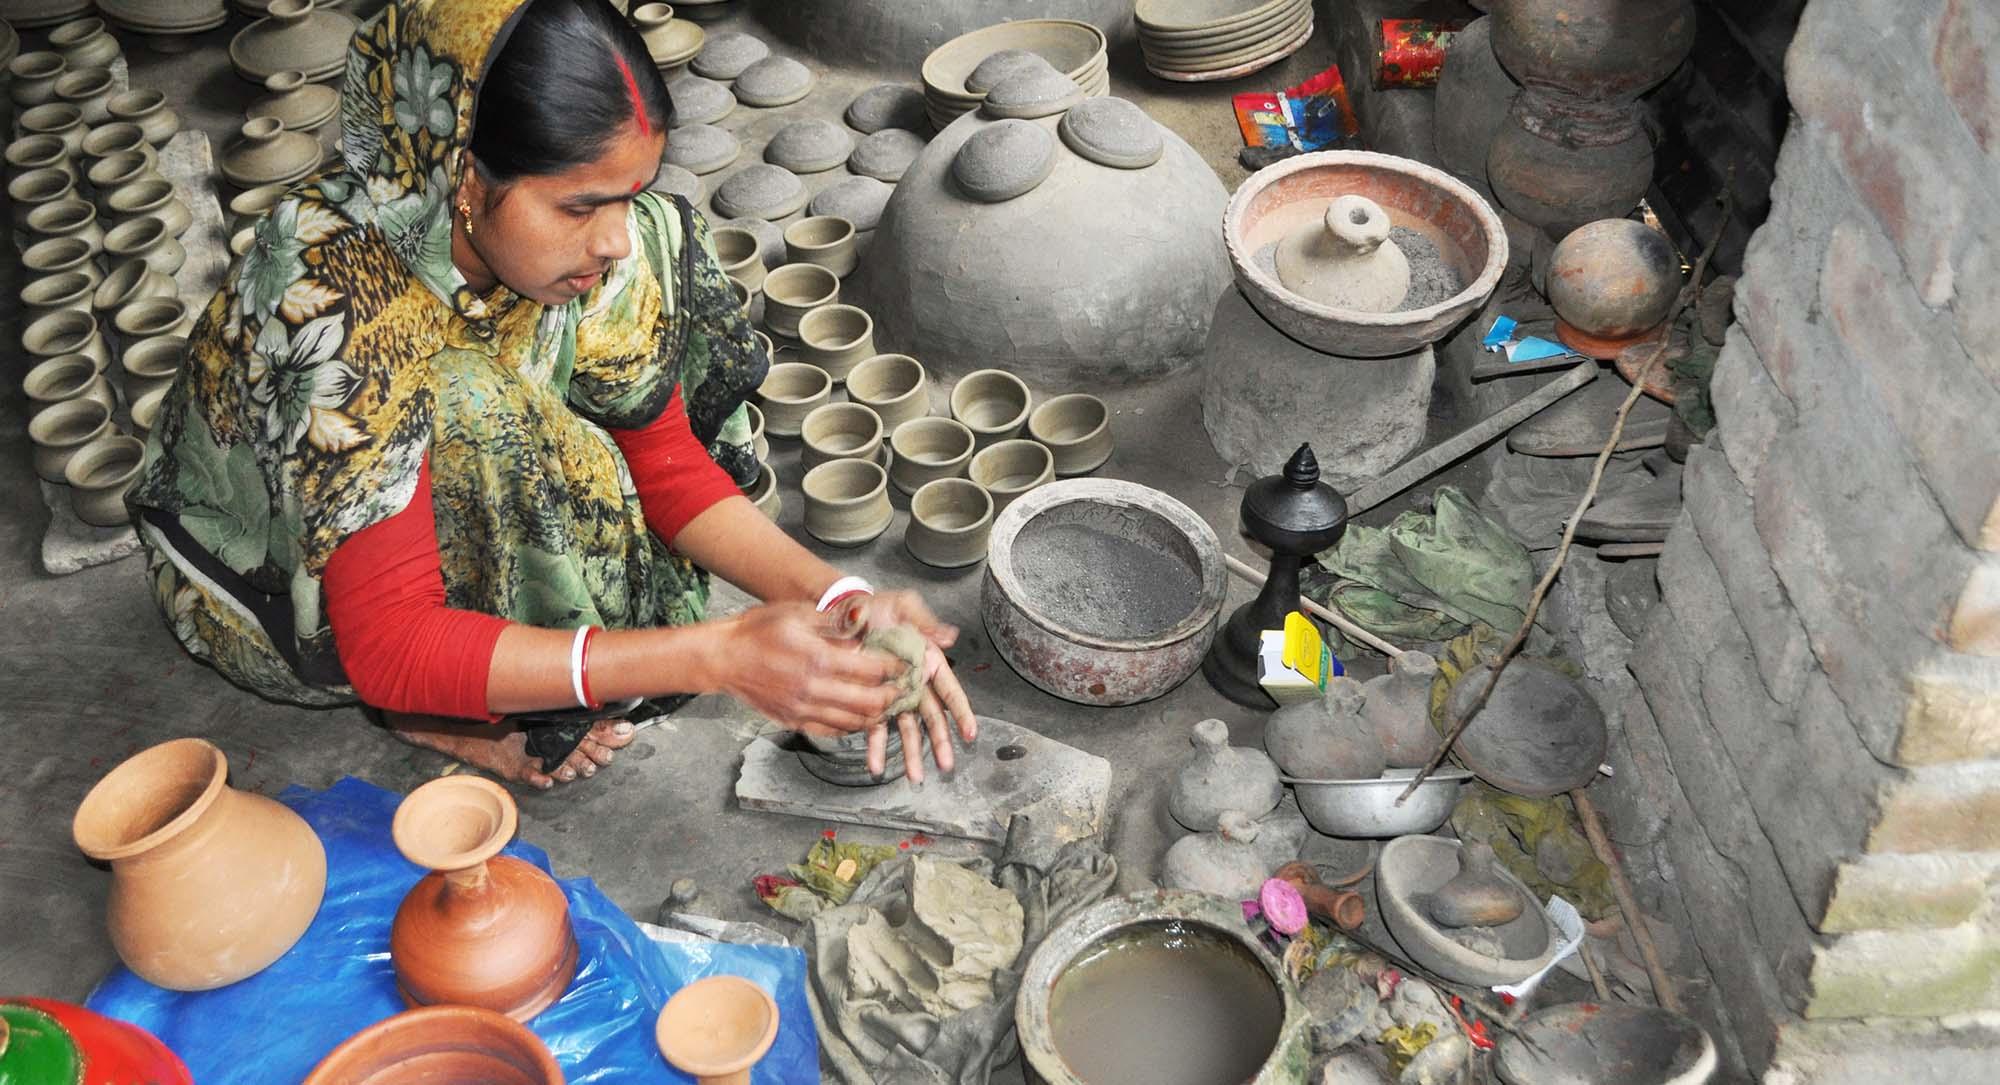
x=555, y=94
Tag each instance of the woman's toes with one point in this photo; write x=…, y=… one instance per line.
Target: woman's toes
x=614, y=735
x=598, y=753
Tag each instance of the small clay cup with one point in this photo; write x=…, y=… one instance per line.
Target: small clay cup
x=152, y=364
x=847, y=502
x=108, y=175
x=146, y=411
x=715, y=1029
x=59, y=119
x=148, y=109
x=791, y=390
x=62, y=254
x=1012, y=468
x=66, y=331
x=63, y=378
x=85, y=43
x=1077, y=429
x=128, y=282
x=440, y=1044
x=114, y=138
x=153, y=317
x=34, y=78
x=764, y=494
x=242, y=241
x=792, y=291
x=744, y=295
x=950, y=520
x=146, y=238
x=68, y=217
x=31, y=153
x=759, y=444
x=54, y=293
x=39, y=187
x=840, y=431
x=246, y=207
x=90, y=91
x=61, y=430
x=837, y=338
x=894, y=385
x=155, y=198
x=928, y=449
x=826, y=240
x=741, y=259
x=99, y=474
x=992, y=403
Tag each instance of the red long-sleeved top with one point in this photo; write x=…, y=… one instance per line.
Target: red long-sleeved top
x=404, y=650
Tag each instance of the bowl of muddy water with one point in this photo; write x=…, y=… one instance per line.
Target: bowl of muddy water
x=1101, y=591
x=1165, y=987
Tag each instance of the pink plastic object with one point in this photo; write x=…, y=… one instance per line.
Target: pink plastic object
x=1283, y=905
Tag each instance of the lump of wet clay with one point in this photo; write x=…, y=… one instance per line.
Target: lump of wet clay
x=905, y=643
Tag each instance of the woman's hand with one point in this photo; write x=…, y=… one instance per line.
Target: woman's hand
x=944, y=699
x=782, y=660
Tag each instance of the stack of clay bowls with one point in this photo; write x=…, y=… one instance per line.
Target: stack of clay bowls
x=297, y=35
x=167, y=25
x=33, y=14
x=1074, y=48
x=1195, y=41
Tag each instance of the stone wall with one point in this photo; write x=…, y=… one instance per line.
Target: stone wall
x=1819, y=699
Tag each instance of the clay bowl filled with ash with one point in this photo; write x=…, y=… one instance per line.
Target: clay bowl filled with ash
x=1411, y=870
x=1453, y=242
x=1584, y=1043
x=1102, y=592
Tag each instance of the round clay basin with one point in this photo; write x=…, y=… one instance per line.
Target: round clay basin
x=1413, y=867
x=1101, y=591
x=440, y=1043
x=1584, y=1043
x=1280, y=200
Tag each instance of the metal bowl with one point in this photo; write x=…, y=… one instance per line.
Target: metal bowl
x=1367, y=808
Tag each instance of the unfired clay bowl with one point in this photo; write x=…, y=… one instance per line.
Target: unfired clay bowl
x=152, y=364
x=34, y=77
x=152, y=317
x=54, y=293
x=90, y=91
x=992, y=403
x=837, y=338
x=63, y=378
x=1077, y=430
x=928, y=449
x=1411, y=867
x=61, y=430
x=847, y=502
x=69, y=217
x=115, y=138
x=790, y=392
x=59, y=119
x=66, y=331
x=146, y=238
x=58, y=255
x=894, y=386
x=145, y=411
x=128, y=282
x=840, y=431
x=741, y=259
x=950, y=520
x=762, y=493
x=37, y=187
x=826, y=240
x=1009, y=469
x=98, y=476
x=792, y=291
x=39, y=152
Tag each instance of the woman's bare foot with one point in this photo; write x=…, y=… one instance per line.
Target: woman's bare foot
x=502, y=750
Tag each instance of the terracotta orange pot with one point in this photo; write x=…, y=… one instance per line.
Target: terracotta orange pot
x=717, y=1028
x=440, y=1044
x=482, y=929
x=209, y=884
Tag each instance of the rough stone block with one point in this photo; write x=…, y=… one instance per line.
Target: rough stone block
x=1636, y=798
x=1965, y=53
x=1750, y=411
x=1907, y=973
x=1954, y=711
x=1720, y=509
x=1942, y=808
x=1897, y=892
x=1975, y=621
x=1956, y=1050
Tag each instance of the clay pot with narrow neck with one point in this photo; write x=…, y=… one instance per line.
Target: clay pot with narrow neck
x=482, y=929
x=1346, y=260
x=1475, y=896
x=717, y=1028
x=1325, y=738
x=1397, y=707
x=1219, y=777
x=1225, y=863
x=438, y=1044
x=209, y=884
x=148, y=109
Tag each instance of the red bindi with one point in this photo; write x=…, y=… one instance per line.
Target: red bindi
x=637, y=185
x=632, y=92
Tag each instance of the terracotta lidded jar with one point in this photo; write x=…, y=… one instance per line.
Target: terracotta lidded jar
x=440, y=1044
x=717, y=1028
x=1397, y=707
x=1325, y=738
x=1347, y=260
x=482, y=929
x=209, y=884
x=1219, y=778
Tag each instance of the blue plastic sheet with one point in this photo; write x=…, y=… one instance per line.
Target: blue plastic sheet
x=275, y=1026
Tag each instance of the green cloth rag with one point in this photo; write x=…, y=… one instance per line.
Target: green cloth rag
x=1430, y=576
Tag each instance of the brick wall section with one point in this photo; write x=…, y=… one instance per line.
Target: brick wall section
x=1823, y=677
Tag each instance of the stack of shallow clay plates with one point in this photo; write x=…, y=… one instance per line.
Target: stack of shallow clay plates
x=1198, y=41
x=1076, y=49
x=29, y=14
x=159, y=19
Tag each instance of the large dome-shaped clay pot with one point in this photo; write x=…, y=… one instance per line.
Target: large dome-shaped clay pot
x=482, y=929
x=440, y=1045
x=209, y=884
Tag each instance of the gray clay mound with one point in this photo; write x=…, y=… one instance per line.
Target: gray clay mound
x=999, y=67
x=773, y=81
x=760, y=190
x=1004, y=160
x=809, y=146
x=770, y=238
x=1112, y=132
x=700, y=101
x=678, y=181
x=886, y=154
x=859, y=200
x=887, y=105
x=1042, y=92
x=701, y=148
x=727, y=53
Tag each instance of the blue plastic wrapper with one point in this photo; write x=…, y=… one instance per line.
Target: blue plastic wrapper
x=276, y=1025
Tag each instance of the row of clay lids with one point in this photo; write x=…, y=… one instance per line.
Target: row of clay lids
x=1208, y=40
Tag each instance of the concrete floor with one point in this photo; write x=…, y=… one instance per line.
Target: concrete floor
x=92, y=675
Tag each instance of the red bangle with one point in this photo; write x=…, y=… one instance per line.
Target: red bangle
x=588, y=697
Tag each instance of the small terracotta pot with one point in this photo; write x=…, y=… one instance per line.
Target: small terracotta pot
x=847, y=502
x=66, y=331
x=54, y=293
x=840, y=431
x=128, y=282
x=744, y=295
x=894, y=385
x=148, y=239
x=208, y=884
x=992, y=403
x=38, y=187
x=950, y=520
x=156, y=198
x=111, y=174
x=152, y=364
x=792, y=291
x=63, y=428
x=148, y=109
x=759, y=444
x=90, y=91
x=59, y=119
x=63, y=378
x=837, y=338
x=153, y=317
x=716, y=1029
x=246, y=207
x=1012, y=468
x=99, y=474
x=1077, y=430
x=34, y=78
x=741, y=258
x=69, y=217
x=764, y=494
x=826, y=240
x=928, y=449
x=482, y=929
x=440, y=1044
x=146, y=411
x=85, y=43
x=38, y=153
x=790, y=392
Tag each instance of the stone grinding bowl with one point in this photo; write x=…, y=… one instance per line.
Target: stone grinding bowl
x=1366, y=809
x=1280, y=199
x=1585, y=1043
x=1413, y=867
x=1031, y=633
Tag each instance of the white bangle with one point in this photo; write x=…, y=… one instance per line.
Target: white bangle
x=576, y=665
x=842, y=588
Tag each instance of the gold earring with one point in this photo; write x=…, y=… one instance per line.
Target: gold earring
x=465, y=209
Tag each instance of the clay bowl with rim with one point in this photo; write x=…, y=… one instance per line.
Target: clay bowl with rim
x=928, y=449
x=950, y=520
x=992, y=403
x=792, y=291
x=65, y=331
x=109, y=174
x=1293, y=194
x=63, y=428
x=1368, y=810
x=716, y=1028
x=758, y=442
x=98, y=474
x=153, y=363
x=1238, y=43
x=147, y=108
x=791, y=390
x=436, y=1044
x=34, y=76
x=153, y=317
x=826, y=240
x=155, y=198
x=39, y=152
x=741, y=258
x=840, y=431
x=59, y=119
x=54, y=293
x=62, y=254
x=114, y=138
x=764, y=493
x=251, y=204
x=1196, y=18
x=1073, y=48
x=1260, y=25
x=63, y=378
x=1413, y=867
x=128, y=282
x=837, y=338
x=146, y=411
x=847, y=502
x=1008, y=469
x=85, y=43
x=1033, y=631
x=895, y=386
x=146, y=238
x=90, y=91
x=1077, y=430
x=1585, y=1043
x=34, y=188
x=67, y=217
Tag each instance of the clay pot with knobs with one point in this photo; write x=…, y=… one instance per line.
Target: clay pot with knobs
x=297, y=104
x=1225, y=863
x=440, y=1044
x=717, y=1028
x=297, y=34
x=1397, y=708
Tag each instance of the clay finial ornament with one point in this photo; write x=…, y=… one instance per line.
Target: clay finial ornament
x=717, y=1028
x=1347, y=261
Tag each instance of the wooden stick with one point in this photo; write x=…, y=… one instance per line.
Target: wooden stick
x=1593, y=827
x=1590, y=965
x=1242, y=569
